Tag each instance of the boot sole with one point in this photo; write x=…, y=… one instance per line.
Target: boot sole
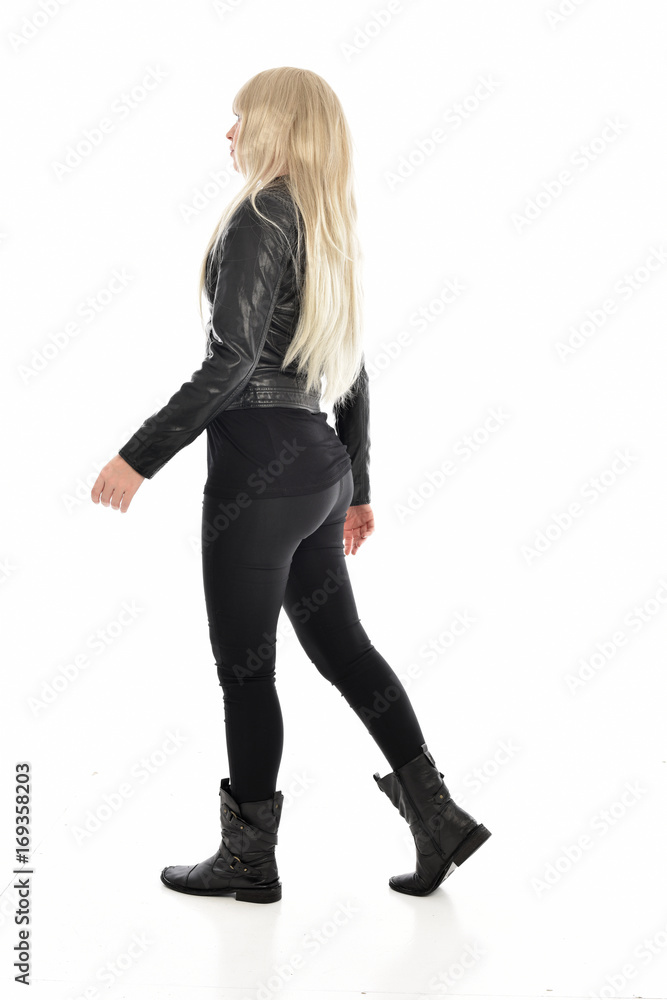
x=269, y=894
x=478, y=836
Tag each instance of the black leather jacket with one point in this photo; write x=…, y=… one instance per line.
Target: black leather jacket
x=254, y=312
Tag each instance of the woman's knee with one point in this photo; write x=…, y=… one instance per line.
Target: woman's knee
x=239, y=661
x=337, y=662
x=236, y=672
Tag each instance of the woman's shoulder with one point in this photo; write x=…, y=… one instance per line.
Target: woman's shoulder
x=272, y=219
x=272, y=204
x=275, y=201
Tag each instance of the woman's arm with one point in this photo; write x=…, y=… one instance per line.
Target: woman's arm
x=253, y=261
x=353, y=428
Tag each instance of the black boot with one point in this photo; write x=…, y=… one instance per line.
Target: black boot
x=445, y=834
x=245, y=862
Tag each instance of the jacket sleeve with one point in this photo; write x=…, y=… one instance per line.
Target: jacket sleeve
x=353, y=428
x=253, y=261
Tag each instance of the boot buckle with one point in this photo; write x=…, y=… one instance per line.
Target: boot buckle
x=233, y=867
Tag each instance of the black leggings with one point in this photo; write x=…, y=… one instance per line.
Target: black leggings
x=288, y=552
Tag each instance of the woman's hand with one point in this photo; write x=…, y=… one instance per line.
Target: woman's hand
x=359, y=525
x=116, y=485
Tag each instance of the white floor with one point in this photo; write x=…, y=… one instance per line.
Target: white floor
x=339, y=930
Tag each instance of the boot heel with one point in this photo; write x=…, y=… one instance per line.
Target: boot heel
x=474, y=840
x=268, y=895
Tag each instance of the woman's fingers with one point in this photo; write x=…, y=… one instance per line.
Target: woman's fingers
x=110, y=494
x=355, y=534
x=98, y=489
x=116, y=485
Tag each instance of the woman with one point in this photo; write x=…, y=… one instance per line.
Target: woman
x=287, y=497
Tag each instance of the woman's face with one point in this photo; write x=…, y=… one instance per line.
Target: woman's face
x=231, y=135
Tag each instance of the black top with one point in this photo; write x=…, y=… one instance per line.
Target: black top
x=272, y=451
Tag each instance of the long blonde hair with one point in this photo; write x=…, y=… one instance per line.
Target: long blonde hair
x=292, y=121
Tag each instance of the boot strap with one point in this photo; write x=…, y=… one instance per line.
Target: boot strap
x=232, y=821
x=227, y=862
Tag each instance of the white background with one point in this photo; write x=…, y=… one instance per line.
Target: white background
x=484, y=542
